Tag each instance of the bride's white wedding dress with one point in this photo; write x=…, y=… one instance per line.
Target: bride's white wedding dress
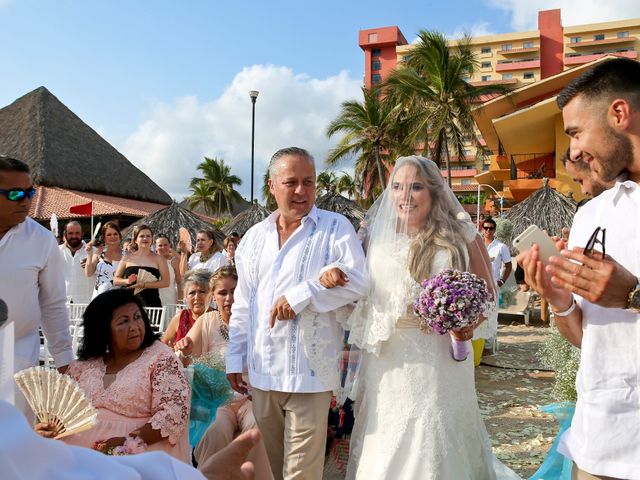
x=417, y=414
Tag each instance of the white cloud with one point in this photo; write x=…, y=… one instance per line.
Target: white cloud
x=290, y=110
x=478, y=29
x=524, y=13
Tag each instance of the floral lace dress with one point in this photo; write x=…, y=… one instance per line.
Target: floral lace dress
x=152, y=389
x=416, y=410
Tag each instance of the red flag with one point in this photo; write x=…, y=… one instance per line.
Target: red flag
x=84, y=209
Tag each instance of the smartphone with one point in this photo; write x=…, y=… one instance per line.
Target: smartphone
x=532, y=235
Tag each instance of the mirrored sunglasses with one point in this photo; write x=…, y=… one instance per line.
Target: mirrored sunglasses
x=17, y=194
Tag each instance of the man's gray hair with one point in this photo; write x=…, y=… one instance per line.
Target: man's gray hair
x=199, y=276
x=291, y=151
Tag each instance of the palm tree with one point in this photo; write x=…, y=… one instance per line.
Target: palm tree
x=218, y=179
x=348, y=185
x=326, y=181
x=201, y=195
x=370, y=132
x=269, y=199
x=432, y=85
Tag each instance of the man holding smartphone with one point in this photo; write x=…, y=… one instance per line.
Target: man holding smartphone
x=596, y=297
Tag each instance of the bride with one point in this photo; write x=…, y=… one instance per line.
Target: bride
x=417, y=414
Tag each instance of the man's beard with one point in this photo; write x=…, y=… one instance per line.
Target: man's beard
x=617, y=158
x=74, y=242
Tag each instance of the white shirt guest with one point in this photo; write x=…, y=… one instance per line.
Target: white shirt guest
x=596, y=299
x=79, y=286
x=206, y=256
x=31, y=275
x=283, y=326
x=498, y=253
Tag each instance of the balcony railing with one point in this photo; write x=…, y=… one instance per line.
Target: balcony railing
x=533, y=166
x=525, y=64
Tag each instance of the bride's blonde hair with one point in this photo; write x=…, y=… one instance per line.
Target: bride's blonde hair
x=442, y=229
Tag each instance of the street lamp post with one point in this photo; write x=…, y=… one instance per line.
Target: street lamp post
x=500, y=196
x=254, y=95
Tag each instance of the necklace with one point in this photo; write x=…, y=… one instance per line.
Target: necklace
x=223, y=329
x=204, y=256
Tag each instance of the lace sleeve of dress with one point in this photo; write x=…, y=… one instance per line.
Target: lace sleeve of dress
x=169, y=397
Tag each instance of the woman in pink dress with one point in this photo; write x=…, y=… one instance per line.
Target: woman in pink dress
x=135, y=382
x=211, y=335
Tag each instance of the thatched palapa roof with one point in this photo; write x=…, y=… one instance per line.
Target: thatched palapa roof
x=169, y=220
x=237, y=207
x=247, y=219
x=545, y=208
x=335, y=202
x=63, y=151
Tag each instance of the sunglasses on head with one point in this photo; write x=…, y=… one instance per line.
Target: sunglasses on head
x=17, y=194
x=489, y=227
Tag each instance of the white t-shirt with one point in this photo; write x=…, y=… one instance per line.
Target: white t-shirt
x=499, y=254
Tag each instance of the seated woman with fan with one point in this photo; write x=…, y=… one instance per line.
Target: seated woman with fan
x=142, y=269
x=197, y=293
x=134, y=381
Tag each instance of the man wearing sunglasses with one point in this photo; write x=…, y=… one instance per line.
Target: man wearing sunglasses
x=31, y=275
x=498, y=252
x=593, y=286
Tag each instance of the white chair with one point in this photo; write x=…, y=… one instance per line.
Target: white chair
x=76, y=310
x=156, y=318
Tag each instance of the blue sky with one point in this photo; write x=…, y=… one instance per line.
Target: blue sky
x=166, y=82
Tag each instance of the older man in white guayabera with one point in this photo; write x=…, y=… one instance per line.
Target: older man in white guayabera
x=284, y=326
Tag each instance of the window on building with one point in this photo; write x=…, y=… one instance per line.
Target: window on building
x=376, y=78
x=528, y=75
x=467, y=181
x=485, y=65
x=506, y=46
x=488, y=49
x=576, y=39
x=375, y=65
x=527, y=45
x=507, y=76
x=622, y=34
x=375, y=52
x=486, y=78
x=599, y=36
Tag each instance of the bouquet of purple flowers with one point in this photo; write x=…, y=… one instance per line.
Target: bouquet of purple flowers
x=451, y=300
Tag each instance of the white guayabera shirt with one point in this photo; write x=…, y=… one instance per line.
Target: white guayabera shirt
x=32, y=285
x=300, y=355
x=603, y=438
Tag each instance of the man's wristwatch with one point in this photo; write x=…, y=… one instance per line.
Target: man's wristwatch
x=633, y=300
x=500, y=282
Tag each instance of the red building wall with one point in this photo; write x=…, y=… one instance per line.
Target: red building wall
x=551, y=43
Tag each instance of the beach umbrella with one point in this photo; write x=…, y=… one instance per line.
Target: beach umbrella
x=546, y=208
x=169, y=220
x=247, y=219
x=334, y=202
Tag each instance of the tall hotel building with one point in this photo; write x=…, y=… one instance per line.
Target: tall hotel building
x=536, y=65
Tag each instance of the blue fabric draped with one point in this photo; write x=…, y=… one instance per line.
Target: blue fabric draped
x=209, y=390
x=555, y=465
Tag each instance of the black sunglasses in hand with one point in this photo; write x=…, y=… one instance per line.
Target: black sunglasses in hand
x=596, y=238
x=17, y=194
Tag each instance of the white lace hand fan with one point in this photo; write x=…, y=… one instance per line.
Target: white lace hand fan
x=144, y=277
x=58, y=399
